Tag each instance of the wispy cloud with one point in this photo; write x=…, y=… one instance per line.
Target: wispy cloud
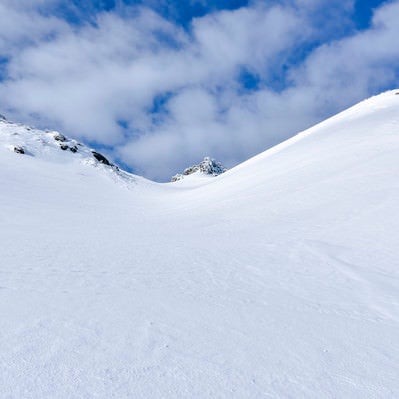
x=161, y=95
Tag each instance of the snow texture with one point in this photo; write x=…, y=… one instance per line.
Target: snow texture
x=276, y=279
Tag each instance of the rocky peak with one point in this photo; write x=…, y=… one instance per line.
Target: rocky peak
x=208, y=167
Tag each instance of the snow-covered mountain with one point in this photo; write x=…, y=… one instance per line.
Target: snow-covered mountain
x=207, y=167
x=46, y=145
x=279, y=278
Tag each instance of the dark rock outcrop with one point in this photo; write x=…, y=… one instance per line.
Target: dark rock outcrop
x=101, y=158
x=65, y=147
x=19, y=150
x=60, y=137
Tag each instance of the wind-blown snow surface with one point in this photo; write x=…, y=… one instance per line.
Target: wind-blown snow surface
x=277, y=279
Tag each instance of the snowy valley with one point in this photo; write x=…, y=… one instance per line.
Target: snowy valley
x=279, y=278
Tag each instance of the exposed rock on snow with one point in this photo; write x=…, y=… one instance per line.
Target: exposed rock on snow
x=19, y=150
x=100, y=158
x=59, y=137
x=47, y=144
x=176, y=177
x=208, y=167
x=70, y=148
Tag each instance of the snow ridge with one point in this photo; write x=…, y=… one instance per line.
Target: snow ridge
x=47, y=145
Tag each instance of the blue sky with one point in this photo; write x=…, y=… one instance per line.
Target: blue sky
x=159, y=84
x=182, y=12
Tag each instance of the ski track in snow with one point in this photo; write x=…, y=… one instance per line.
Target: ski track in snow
x=277, y=279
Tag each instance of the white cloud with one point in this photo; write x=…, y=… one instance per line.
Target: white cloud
x=19, y=29
x=87, y=79
x=356, y=65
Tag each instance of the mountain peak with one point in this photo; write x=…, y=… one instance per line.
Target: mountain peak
x=208, y=166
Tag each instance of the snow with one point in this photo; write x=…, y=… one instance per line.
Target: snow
x=278, y=278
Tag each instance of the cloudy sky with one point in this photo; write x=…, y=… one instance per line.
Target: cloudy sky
x=159, y=84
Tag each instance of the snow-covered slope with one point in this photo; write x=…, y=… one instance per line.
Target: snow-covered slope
x=277, y=279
